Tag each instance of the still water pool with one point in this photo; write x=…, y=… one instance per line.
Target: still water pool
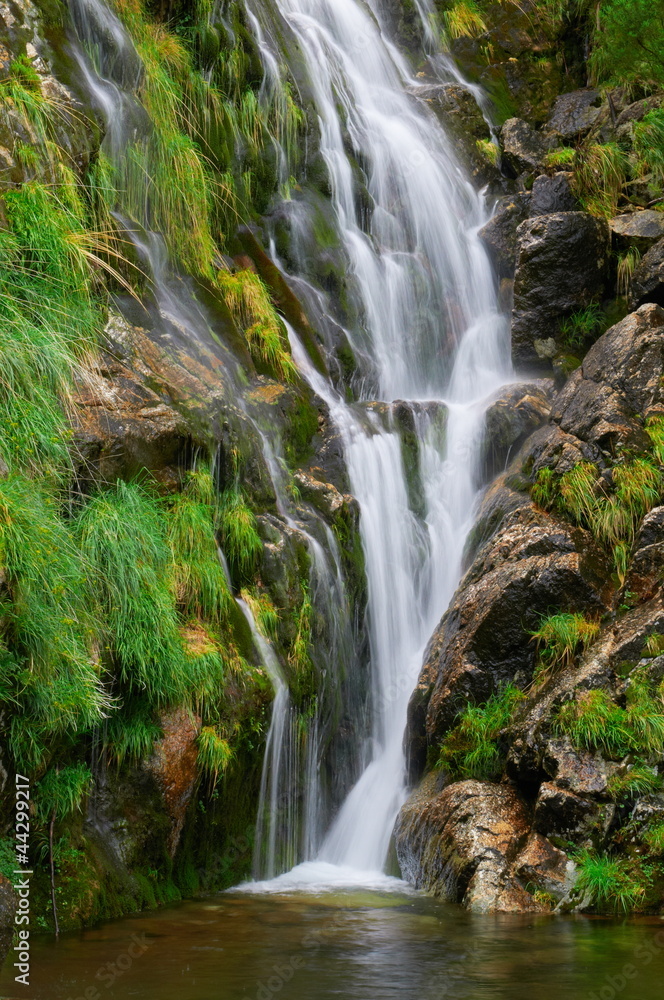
x=348, y=945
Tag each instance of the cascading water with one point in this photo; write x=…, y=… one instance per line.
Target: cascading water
x=432, y=331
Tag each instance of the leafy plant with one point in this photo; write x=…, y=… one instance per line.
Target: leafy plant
x=240, y=539
x=582, y=326
x=471, y=748
x=214, y=753
x=654, y=838
x=62, y=791
x=648, y=144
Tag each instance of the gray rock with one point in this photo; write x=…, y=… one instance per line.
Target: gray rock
x=561, y=813
x=499, y=234
x=552, y=194
x=637, y=229
x=645, y=573
x=459, y=843
x=636, y=111
x=575, y=114
x=523, y=148
x=561, y=267
x=517, y=411
x=648, y=278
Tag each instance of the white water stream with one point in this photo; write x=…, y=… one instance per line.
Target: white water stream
x=432, y=329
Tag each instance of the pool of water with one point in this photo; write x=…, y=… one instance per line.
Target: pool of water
x=373, y=943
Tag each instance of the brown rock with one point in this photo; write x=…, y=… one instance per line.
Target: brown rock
x=563, y=814
x=543, y=866
x=646, y=570
x=174, y=765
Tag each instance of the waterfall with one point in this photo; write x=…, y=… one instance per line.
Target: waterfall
x=430, y=325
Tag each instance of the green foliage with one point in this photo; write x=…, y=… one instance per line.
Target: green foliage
x=558, y=158
x=464, y=19
x=648, y=145
x=654, y=645
x=62, y=791
x=45, y=621
x=489, y=150
x=582, y=326
x=214, y=753
x=600, y=172
x=122, y=537
x=299, y=656
x=627, y=264
x=628, y=42
x=131, y=734
x=263, y=610
x=249, y=301
x=608, y=883
x=654, y=838
x=240, y=539
x=637, y=780
x=594, y=721
x=471, y=748
x=198, y=576
x=559, y=638
x=655, y=431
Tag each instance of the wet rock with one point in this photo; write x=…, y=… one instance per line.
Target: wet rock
x=552, y=194
x=325, y=497
x=631, y=632
x=574, y=770
x=499, y=234
x=543, y=866
x=618, y=384
x=455, y=106
x=574, y=114
x=523, y=148
x=561, y=267
x=516, y=412
x=174, y=765
x=648, y=278
x=647, y=562
x=8, y=907
x=458, y=843
x=561, y=813
x=637, y=229
x=531, y=564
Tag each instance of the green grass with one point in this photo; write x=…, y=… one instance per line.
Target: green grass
x=595, y=722
x=62, y=791
x=559, y=638
x=240, y=539
x=131, y=734
x=582, y=326
x=489, y=150
x=654, y=838
x=249, y=301
x=214, y=753
x=608, y=883
x=638, y=780
x=649, y=145
x=471, y=748
x=600, y=173
x=122, y=535
x=299, y=654
x=263, y=610
x=464, y=19
x=627, y=264
x=564, y=157
x=199, y=579
x=655, y=431
x=654, y=645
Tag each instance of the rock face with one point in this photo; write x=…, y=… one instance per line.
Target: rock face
x=552, y=194
x=648, y=278
x=502, y=846
x=174, y=765
x=524, y=149
x=575, y=114
x=637, y=229
x=499, y=234
x=517, y=411
x=459, y=843
x=562, y=264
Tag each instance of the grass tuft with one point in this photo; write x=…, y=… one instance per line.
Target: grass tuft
x=471, y=748
x=559, y=638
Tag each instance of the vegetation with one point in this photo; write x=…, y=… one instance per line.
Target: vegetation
x=608, y=883
x=582, y=326
x=240, y=539
x=559, y=638
x=471, y=749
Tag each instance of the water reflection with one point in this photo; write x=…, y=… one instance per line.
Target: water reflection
x=350, y=946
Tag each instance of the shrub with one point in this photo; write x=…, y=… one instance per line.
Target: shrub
x=62, y=791
x=471, y=748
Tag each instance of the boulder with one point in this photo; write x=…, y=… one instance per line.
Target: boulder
x=499, y=234
x=531, y=563
x=459, y=843
x=648, y=278
x=619, y=383
x=523, y=148
x=325, y=497
x=561, y=813
x=574, y=114
x=174, y=764
x=562, y=262
x=637, y=110
x=646, y=570
x=515, y=413
x=543, y=866
x=8, y=906
x=637, y=229
x=551, y=194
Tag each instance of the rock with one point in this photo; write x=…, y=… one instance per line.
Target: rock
x=619, y=383
x=529, y=565
x=517, y=411
x=645, y=571
x=523, y=148
x=458, y=843
x=8, y=907
x=560, y=813
x=574, y=770
x=552, y=194
x=562, y=264
x=648, y=278
x=636, y=111
x=575, y=113
x=543, y=866
x=499, y=234
x=325, y=497
x=174, y=765
x=637, y=229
